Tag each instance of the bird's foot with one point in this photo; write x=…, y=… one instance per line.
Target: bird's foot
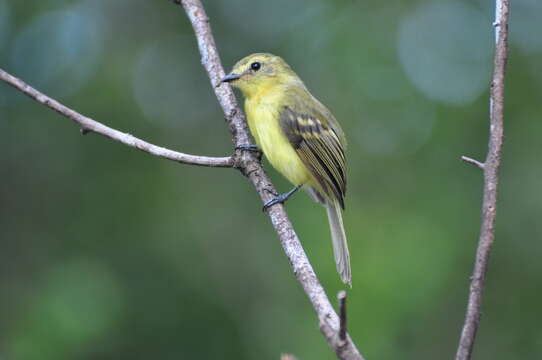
x=251, y=148
x=279, y=199
x=248, y=147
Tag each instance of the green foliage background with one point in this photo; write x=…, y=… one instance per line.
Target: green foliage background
x=109, y=253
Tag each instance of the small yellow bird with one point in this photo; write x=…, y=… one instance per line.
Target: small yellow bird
x=300, y=138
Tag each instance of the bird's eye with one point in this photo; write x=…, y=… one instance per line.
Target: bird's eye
x=255, y=66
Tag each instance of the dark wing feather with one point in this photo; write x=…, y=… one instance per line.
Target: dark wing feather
x=317, y=138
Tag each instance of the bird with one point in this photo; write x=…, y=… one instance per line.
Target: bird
x=299, y=136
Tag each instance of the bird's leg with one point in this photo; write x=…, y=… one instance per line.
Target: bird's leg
x=280, y=198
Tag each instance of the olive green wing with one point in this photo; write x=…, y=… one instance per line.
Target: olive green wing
x=319, y=141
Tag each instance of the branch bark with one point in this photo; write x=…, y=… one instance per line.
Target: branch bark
x=491, y=180
x=250, y=166
x=89, y=125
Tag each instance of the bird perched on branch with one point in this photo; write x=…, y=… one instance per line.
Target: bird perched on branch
x=300, y=138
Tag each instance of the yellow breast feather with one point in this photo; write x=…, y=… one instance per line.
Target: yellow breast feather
x=263, y=121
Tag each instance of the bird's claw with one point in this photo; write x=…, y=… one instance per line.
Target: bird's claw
x=271, y=191
x=248, y=147
x=277, y=200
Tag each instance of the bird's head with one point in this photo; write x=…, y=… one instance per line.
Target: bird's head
x=260, y=72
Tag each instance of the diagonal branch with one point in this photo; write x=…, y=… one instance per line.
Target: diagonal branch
x=87, y=125
x=250, y=166
x=491, y=180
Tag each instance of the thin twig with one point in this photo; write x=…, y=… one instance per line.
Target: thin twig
x=342, y=314
x=491, y=171
x=89, y=125
x=474, y=162
x=248, y=163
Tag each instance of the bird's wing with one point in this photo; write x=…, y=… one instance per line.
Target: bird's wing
x=319, y=141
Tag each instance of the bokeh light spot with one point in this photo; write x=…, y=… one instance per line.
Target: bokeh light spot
x=80, y=302
x=445, y=50
x=58, y=51
x=163, y=87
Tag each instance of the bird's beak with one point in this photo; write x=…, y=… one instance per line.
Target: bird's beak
x=230, y=77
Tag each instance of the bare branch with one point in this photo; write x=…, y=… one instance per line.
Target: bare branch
x=88, y=125
x=476, y=163
x=341, y=296
x=491, y=180
x=249, y=165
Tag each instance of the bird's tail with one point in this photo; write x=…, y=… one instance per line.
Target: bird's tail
x=338, y=237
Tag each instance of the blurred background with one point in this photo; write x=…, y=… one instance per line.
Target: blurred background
x=110, y=253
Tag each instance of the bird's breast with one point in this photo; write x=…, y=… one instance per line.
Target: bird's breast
x=263, y=116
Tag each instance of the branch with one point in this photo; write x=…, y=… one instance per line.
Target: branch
x=478, y=164
x=87, y=125
x=250, y=166
x=491, y=171
x=342, y=313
